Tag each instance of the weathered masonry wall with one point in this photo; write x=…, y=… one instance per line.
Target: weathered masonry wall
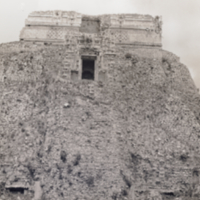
x=132, y=136
x=125, y=125
x=69, y=65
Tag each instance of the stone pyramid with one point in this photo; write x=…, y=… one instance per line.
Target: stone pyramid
x=92, y=107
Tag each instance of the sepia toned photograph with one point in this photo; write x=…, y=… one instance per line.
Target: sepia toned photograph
x=99, y=100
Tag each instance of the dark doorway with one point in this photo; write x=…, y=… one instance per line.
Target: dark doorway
x=88, y=69
x=17, y=189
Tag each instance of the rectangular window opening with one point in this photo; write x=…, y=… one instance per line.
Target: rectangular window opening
x=88, y=69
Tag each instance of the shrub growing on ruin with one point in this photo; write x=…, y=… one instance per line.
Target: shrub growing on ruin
x=90, y=181
x=114, y=196
x=128, y=56
x=31, y=170
x=69, y=169
x=135, y=159
x=63, y=156
x=77, y=160
x=124, y=193
x=183, y=158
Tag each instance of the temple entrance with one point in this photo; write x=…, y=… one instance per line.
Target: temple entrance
x=88, y=69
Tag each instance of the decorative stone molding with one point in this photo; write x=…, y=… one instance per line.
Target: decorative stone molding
x=52, y=26
x=52, y=18
x=105, y=22
x=88, y=52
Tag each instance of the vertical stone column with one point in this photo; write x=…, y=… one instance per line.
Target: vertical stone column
x=38, y=191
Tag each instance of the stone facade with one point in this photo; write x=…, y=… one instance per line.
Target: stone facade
x=60, y=26
x=93, y=108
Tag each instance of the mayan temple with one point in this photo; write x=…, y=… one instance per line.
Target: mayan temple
x=92, y=108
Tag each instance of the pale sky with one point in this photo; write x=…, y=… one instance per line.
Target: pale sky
x=181, y=21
